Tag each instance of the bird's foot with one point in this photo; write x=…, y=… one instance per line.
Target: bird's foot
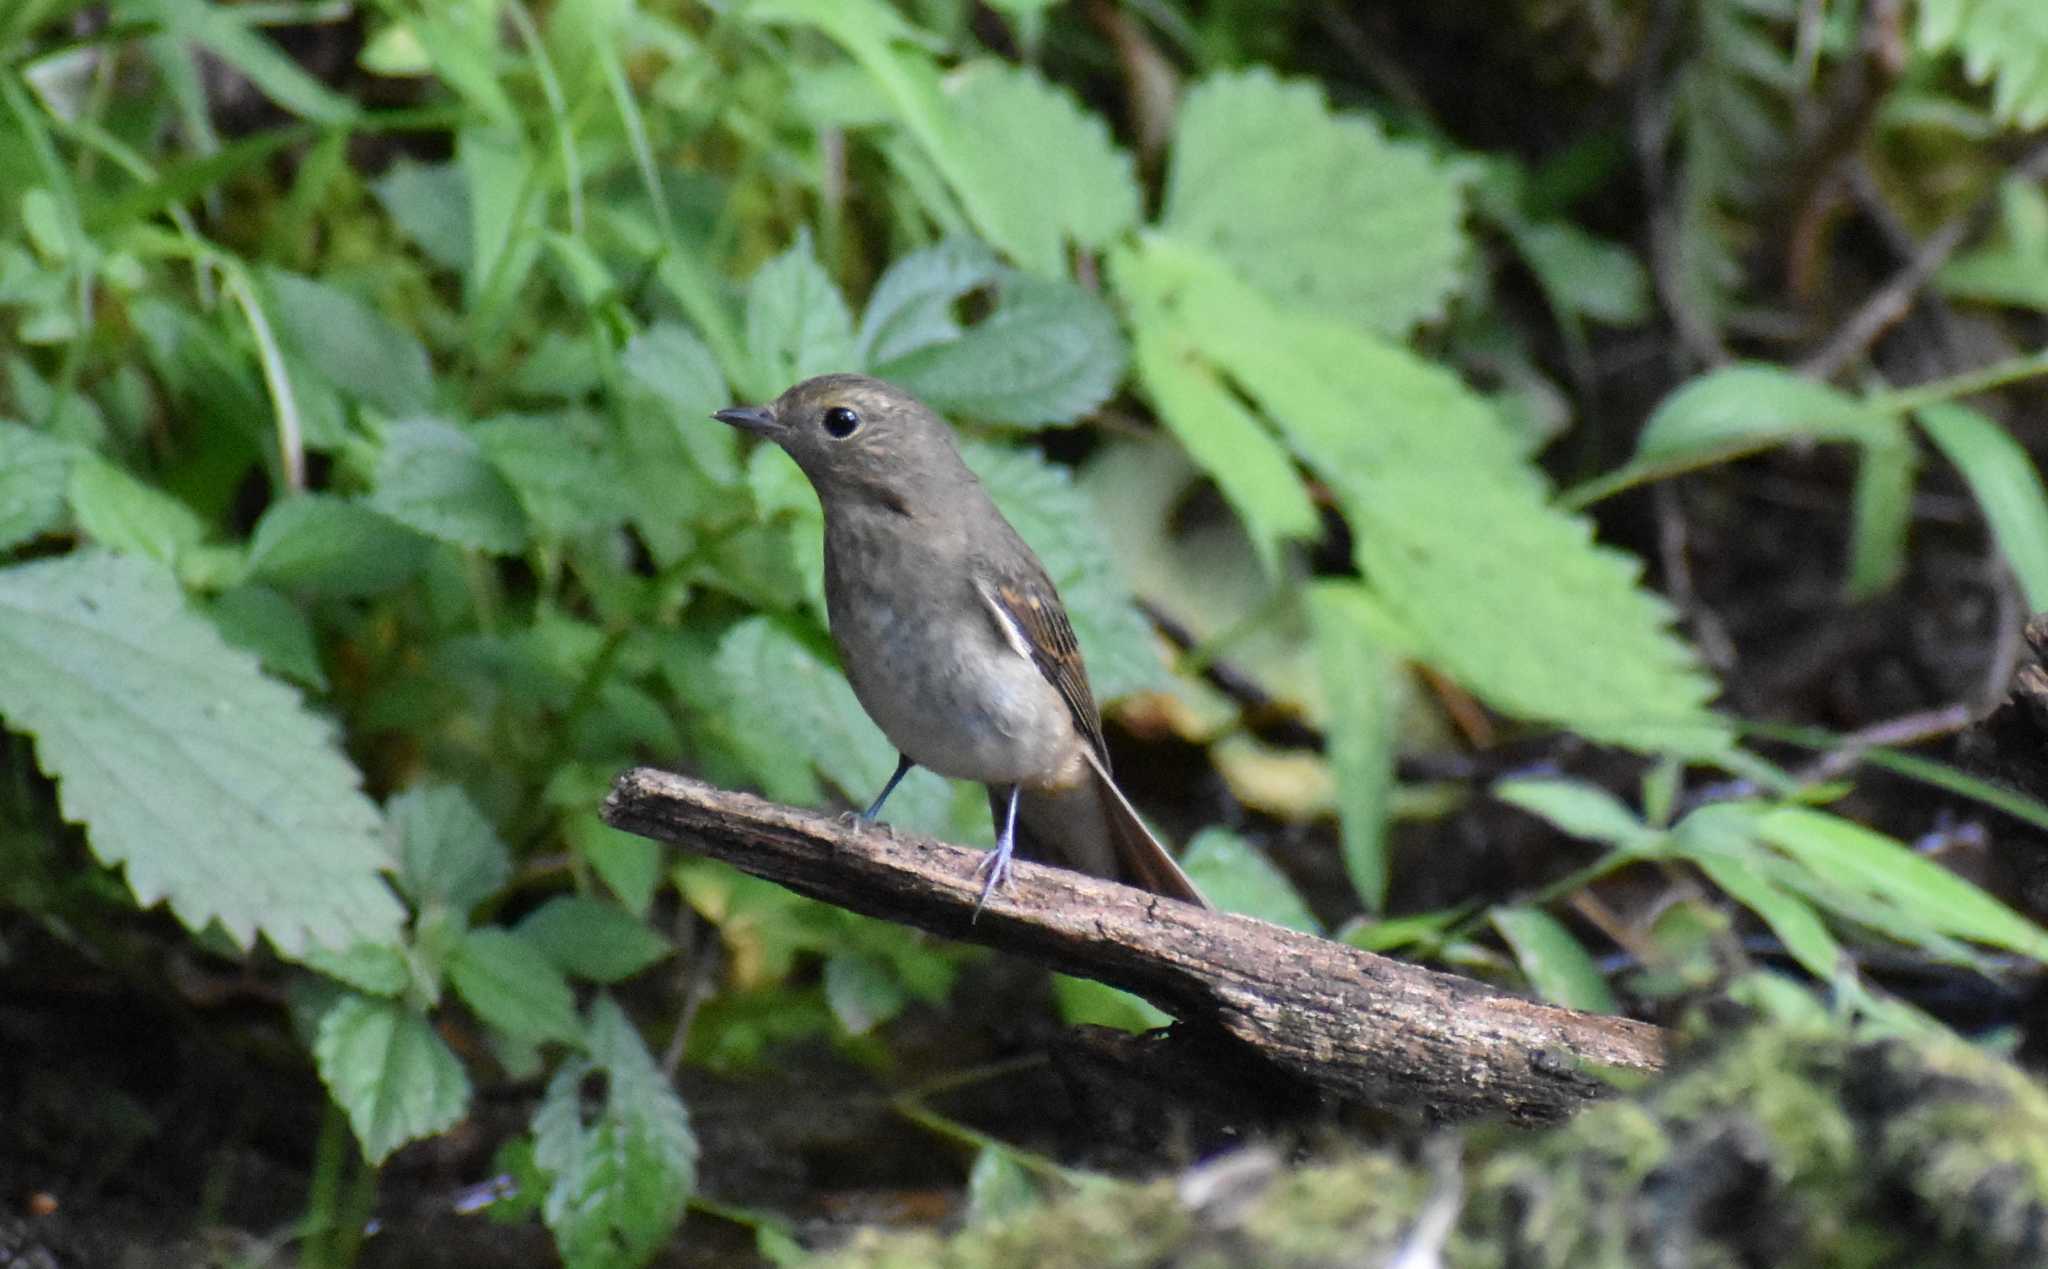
x=994, y=870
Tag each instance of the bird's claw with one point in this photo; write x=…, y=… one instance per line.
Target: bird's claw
x=994, y=869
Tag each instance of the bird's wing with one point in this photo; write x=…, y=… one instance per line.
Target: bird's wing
x=1030, y=618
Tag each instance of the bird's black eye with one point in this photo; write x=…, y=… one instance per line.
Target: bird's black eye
x=841, y=422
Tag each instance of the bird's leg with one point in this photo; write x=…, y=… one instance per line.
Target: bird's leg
x=903, y=766
x=996, y=864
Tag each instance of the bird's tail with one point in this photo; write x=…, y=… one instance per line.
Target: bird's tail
x=1091, y=828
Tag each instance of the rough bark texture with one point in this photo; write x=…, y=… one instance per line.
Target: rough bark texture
x=1336, y=1019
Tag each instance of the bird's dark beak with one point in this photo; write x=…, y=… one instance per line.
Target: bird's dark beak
x=758, y=419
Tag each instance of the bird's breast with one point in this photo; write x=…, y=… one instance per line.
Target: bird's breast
x=930, y=668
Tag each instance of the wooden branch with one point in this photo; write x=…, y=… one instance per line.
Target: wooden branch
x=1347, y=1022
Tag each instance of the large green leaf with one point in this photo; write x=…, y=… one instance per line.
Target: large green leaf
x=209, y=784
x=1316, y=209
x=357, y=348
x=2006, y=485
x=331, y=545
x=2002, y=42
x=1455, y=533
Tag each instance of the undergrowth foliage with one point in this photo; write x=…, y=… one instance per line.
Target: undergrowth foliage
x=362, y=517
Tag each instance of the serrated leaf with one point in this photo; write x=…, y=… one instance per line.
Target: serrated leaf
x=562, y=467
x=797, y=323
x=389, y=1072
x=1237, y=878
x=1455, y=533
x=448, y=853
x=1032, y=169
x=592, y=940
x=210, y=785
x=912, y=304
x=1055, y=518
x=433, y=477
x=353, y=345
x=1248, y=463
x=1360, y=682
x=35, y=470
x=330, y=545
x=121, y=513
x=377, y=969
x=1049, y=353
x=618, y=1180
x=260, y=620
x=1557, y=965
x=2003, y=43
x=2006, y=485
x=1316, y=209
x=513, y=986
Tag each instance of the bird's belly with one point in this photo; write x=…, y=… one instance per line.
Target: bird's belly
x=963, y=706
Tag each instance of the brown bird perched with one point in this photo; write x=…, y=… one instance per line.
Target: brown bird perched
x=951, y=633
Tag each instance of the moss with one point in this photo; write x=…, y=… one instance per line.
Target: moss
x=1788, y=1146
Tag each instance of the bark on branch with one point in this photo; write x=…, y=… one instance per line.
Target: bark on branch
x=1347, y=1022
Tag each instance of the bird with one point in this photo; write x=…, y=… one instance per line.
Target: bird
x=953, y=635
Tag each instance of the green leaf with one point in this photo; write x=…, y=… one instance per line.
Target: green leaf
x=1795, y=922
x=211, y=785
x=448, y=853
x=561, y=466
x=1085, y=1002
x=1883, y=514
x=1237, y=878
x=912, y=304
x=1852, y=856
x=259, y=620
x=332, y=546
x=1032, y=169
x=35, y=470
x=1747, y=407
x=353, y=345
x=793, y=713
x=1360, y=682
x=2006, y=485
x=1057, y=520
x=389, y=1072
x=1249, y=465
x=998, y=1187
x=591, y=939
x=430, y=203
x=1584, y=276
x=1585, y=811
x=1048, y=354
x=2002, y=42
x=513, y=986
x=630, y=865
x=122, y=514
x=797, y=323
x=1557, y=966
x=433, y=477
x=377, y=969
x=619, y=1182
x=1456, y=534
x=1319, y=211
x=862, y=991
x=225, y=32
